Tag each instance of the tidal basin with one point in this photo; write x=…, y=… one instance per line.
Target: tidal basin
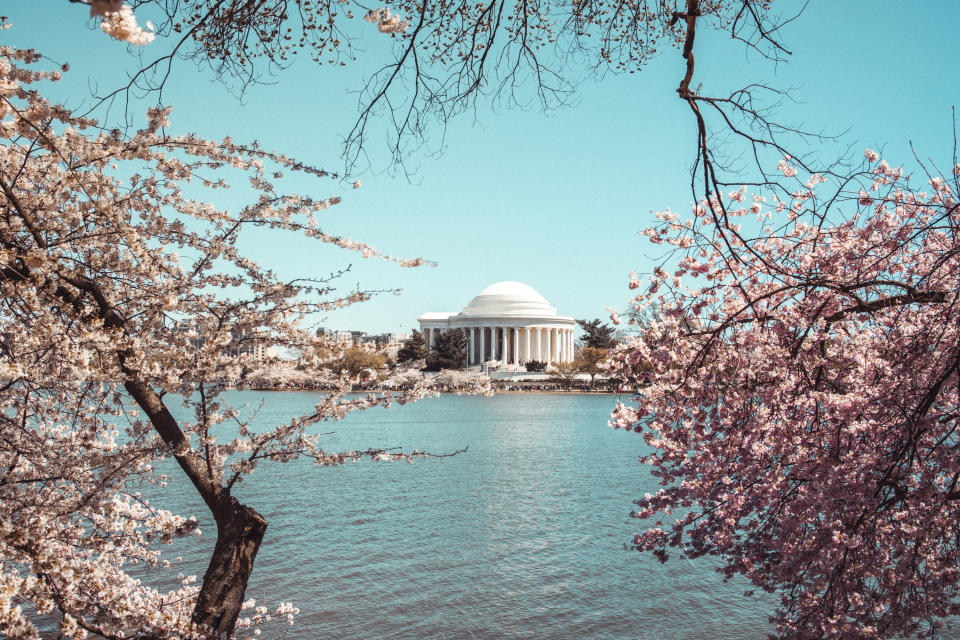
x=522, y=536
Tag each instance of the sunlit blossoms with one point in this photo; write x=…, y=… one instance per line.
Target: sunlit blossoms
x=385, y=21
x=798, y=392
x=119, y=23
x=123, y=290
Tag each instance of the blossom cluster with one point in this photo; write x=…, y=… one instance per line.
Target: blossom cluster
x=119, y=23
x=797, y=388
x=385, y=21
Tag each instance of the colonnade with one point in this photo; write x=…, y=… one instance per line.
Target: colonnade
x=513, y=344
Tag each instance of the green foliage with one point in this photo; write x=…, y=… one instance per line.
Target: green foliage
x=356, y=360
x=536, y=365
x=413, y=348
x=598, y=335
x=450, y=351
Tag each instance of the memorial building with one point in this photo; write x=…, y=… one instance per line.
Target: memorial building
x=508, y=322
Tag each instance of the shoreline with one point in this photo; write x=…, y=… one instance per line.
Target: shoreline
x=556, y=392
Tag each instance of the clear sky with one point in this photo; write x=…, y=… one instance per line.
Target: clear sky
x=552, y=200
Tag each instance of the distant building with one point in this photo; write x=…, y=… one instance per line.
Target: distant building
x=509, y=322
x=241, y=344
x=246, y=344
x=341, y=338
x=386, y=343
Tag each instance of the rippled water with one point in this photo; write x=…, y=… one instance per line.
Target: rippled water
x=521, y=537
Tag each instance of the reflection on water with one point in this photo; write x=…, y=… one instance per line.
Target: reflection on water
x=521, y=537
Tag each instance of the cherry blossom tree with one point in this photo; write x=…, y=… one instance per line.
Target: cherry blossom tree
x=798, y=391
x=284, y=373
x=123, y=291
x=461, y=381
x=405, y=378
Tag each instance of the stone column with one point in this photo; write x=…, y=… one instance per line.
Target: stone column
x=549, y=346
x=477, y=332
x=426, y=337
x=526, y=346
x=516, y=345
x=483, y=356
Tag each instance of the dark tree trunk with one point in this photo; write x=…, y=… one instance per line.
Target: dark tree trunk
x=240, y=528
x=240, y=532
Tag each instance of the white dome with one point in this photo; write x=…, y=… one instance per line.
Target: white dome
x=508, y=299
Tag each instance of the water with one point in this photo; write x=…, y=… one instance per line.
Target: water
x=521, y=537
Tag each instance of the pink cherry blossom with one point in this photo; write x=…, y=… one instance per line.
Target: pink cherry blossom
x=801, y=408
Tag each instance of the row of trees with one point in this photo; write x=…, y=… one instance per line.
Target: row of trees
x=449, y=351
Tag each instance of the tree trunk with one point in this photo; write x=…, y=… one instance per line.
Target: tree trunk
x=240, y=532
x=240, y=528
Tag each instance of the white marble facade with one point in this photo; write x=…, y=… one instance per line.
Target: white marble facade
x=508, y=322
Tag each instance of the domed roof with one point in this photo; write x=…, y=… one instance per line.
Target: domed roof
x=508, y=299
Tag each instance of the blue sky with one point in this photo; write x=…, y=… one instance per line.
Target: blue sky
x=553, y=200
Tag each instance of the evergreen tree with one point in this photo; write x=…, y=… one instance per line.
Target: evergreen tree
x=413, y=348
x=599, y=335
x=450, y=351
